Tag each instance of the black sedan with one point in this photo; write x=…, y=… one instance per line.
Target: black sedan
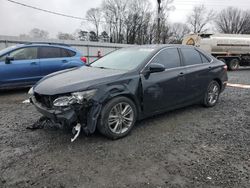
x=130, y=84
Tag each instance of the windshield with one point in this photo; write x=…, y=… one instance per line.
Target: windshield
x=124, y=59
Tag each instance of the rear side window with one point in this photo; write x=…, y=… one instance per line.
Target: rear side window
x=168, y=57
x=191, y=56
x=204, y=58
x=67, y=53
x=49, y=52
x=24, y=53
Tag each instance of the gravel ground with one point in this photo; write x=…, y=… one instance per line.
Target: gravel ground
x=191, y=147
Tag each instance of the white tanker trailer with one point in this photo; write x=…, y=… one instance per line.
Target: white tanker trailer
x=233, y=49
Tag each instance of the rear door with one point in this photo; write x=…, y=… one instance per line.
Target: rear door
x=198, y=72
x=23, y=69
x=50, y=59
x=164, y=90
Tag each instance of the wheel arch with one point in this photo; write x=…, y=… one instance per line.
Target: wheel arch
x=129, y=96
x=219, y=82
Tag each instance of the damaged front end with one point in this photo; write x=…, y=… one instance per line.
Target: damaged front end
x=69, y=110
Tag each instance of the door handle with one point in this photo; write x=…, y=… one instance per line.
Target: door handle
x=64, y=61
x=210, y=67
x=33, y=63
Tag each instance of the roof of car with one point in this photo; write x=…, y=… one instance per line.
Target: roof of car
x=61, y=45
x=160, y=46
x=23, y=45
x=47, y=43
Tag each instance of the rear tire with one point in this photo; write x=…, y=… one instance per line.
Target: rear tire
x=234, y=64
x=117, y=118
x=212, y=94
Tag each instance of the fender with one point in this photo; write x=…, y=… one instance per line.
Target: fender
x=106, y=93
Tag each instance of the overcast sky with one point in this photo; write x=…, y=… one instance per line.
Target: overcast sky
x=16, y=19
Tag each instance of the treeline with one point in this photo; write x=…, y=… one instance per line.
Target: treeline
x=135, y=22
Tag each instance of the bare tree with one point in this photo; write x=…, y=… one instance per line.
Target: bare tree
x=115, y=14
x=134, y=21
x=164, y=27
x=162, y=13
x=137, y=21
x=200, y=18
x=94, y=16
x=38, y=33
x=65, y=36
x=234, y=21
x=178, y=31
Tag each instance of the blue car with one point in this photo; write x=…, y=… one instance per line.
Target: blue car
x=25, y=64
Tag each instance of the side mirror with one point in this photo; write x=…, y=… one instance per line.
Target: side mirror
x=8, y=59
x=156, y=67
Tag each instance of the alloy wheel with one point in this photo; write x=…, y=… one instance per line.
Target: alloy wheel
x=121, y=118
x=213, y=93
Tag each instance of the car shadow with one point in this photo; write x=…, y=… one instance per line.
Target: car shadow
x=141, y=127
x=15, y=91
x=166, y=115
x=149, y=122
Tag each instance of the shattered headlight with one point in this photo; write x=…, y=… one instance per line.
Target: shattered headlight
x=75, y=98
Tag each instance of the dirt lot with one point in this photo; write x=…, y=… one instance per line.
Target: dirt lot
x=191, y=147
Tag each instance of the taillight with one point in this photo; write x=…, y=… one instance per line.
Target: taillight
x=83, y=59
x=225, y=67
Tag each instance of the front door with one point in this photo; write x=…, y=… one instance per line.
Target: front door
x=164, y=90
x=24, y=69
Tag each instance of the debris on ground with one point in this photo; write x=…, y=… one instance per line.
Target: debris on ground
x=43, y=122
x=27, y=101
x=76, y=131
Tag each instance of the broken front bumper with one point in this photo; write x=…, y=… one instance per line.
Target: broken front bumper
x=86, y=114
x=61, y=115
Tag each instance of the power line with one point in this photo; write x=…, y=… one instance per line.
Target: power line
x=177, y=3
x=51, y=12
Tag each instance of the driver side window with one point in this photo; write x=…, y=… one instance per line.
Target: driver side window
x=24, y=53
x=168, y=57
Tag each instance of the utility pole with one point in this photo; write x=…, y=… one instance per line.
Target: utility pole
x=159, y=22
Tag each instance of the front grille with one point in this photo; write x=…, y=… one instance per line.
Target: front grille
x=45, y=100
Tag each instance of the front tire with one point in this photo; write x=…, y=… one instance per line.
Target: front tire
x=117, y=118
x=212, y=94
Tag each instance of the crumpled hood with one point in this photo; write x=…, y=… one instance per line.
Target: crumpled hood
x=75, y=80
